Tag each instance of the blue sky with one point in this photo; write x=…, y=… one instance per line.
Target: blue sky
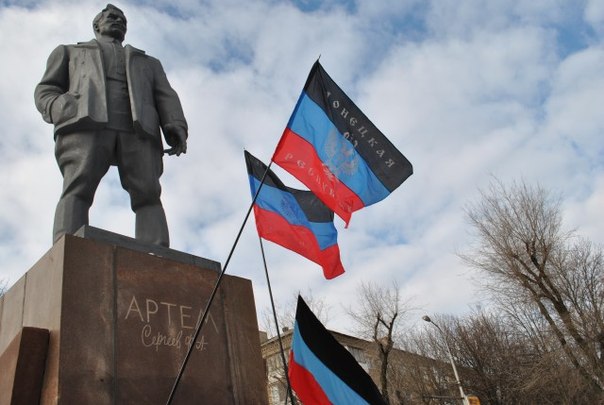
x=466, y=89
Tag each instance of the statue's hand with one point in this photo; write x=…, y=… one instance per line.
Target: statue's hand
x=176, y=136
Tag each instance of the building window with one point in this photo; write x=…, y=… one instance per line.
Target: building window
x=359, y=356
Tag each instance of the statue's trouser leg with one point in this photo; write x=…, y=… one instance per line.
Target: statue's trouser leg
x=151, y=225
x=140, y=166
x=83, y=158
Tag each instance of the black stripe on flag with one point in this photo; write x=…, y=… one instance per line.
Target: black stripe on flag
x=333, y=355
x=315, y=209
x=384, y=159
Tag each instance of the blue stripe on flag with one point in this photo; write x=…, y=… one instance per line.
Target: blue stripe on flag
x=336, y=390
x=285, y=204
x=311, y=123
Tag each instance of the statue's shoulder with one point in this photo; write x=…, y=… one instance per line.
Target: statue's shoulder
x=140, y=53
x=133, y=49
x=87, y=44
x=67, y=48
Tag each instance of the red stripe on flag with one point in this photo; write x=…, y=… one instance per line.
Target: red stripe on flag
x=272, y=226
x=331, y=262
x=299, y=157
x=306, y=387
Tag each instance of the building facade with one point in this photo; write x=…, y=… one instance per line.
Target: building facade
x=412, y=379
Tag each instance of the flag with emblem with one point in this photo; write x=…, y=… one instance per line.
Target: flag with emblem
x=294, y=219
x=336, y=151
x=321, y=370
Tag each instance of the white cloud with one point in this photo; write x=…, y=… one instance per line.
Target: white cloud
x=465, y=89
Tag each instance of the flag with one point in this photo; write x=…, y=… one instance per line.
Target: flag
x=322, y=371
x=335, y=150
x=294, y=219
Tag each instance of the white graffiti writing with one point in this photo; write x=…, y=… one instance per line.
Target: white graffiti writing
x=157, y=340
x=359, y=132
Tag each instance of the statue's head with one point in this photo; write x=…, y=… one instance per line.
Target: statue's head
x=110, y=22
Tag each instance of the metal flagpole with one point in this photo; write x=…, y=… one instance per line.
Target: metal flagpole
x=270, y=293
x=215, y=290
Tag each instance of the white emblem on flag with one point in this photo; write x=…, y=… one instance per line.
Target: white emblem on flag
x=342, y=158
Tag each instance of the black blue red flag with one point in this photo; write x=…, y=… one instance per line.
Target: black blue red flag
x=322, y=371
x=294, y=219
x=336, y=151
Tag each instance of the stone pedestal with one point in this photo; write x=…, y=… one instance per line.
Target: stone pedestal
x=22, y=367
x=121, y=321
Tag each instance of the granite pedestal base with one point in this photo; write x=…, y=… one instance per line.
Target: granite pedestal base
x=121, y=321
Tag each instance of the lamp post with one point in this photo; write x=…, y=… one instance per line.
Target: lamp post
x=463, y=396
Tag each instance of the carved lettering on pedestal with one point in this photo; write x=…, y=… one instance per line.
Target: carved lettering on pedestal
x=168, y=325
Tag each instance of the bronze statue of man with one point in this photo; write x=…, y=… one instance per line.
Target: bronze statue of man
x=107, y=103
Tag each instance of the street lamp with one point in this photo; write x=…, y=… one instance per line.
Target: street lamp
x=463, y=396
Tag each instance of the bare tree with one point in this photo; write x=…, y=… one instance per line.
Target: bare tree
x=425, y=372
x=490, y=354
x=498, y=361
x=377, y=316
x=529, y=260
x=286, y=312
x=545, y=374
